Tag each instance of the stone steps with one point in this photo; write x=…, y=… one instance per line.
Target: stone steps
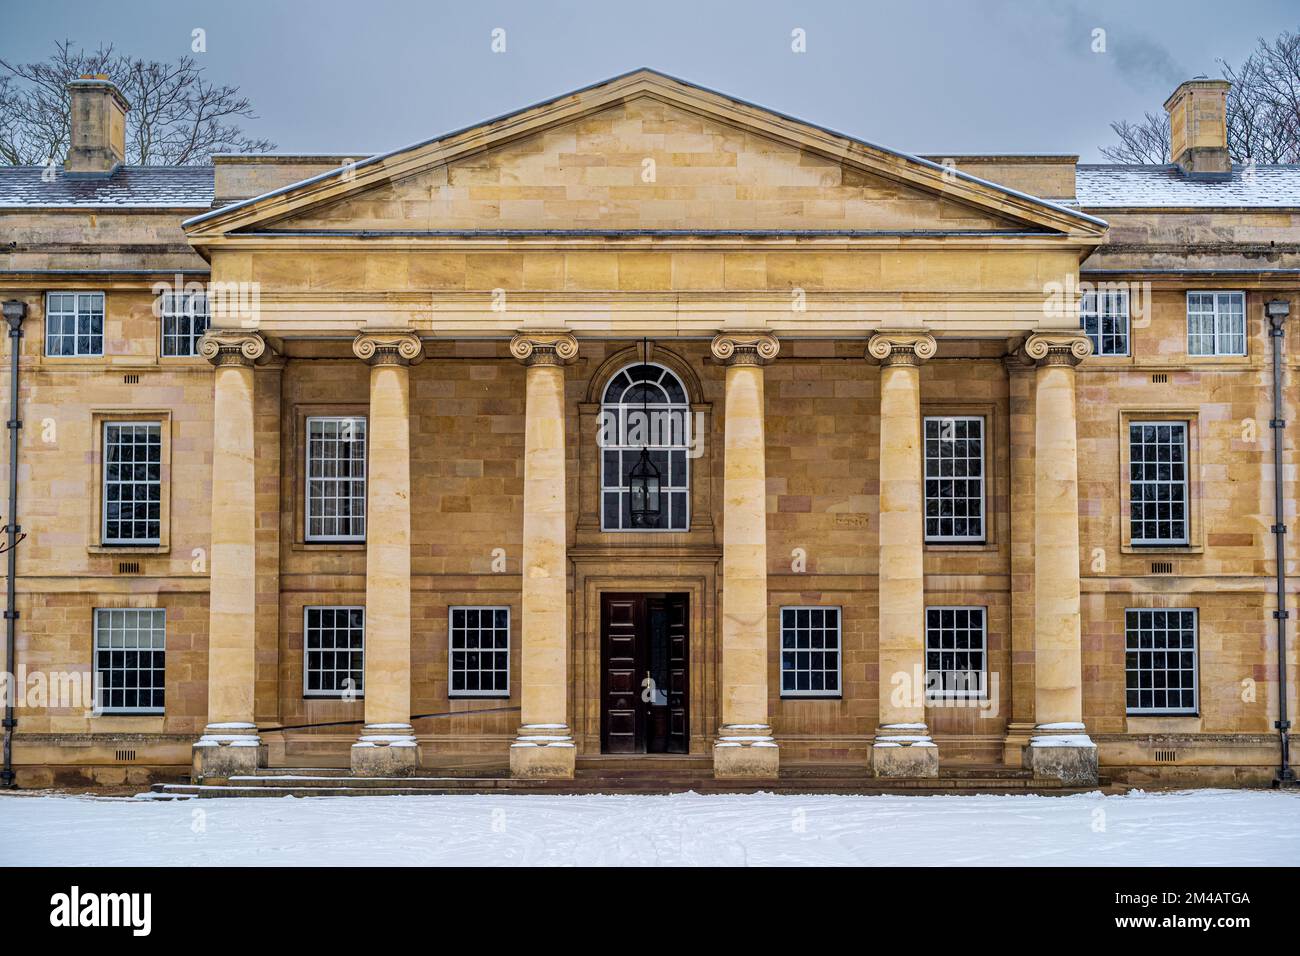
x=305, y=782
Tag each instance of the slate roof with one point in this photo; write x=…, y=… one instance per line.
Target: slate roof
x=130, y=187
x=1098, y=187
x=1102, y=186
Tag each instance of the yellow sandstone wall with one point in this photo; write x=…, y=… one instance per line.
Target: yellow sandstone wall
x=822, y=447
x=65, y=573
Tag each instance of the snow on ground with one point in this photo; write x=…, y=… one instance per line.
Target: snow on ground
x=1189, y=828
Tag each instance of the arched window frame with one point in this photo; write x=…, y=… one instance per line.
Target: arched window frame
x=676, y=481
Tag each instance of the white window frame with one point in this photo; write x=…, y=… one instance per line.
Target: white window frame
x=453, y=649
x=359, y=693
x=1102, y=303
x=1195, y=669
x=1219, y=317
x=982, y=537
x=168, y=311
x=308, y=500
x=1134, y=524
x=77, y=298
x=837, y=650
x=101, y=685
x=104, y=485
x=945, y=693
x=684, y=408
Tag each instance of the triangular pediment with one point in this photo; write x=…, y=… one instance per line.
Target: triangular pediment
x=644, y=152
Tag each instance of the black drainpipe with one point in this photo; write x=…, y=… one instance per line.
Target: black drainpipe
x=1277, y=311
x=14, y=312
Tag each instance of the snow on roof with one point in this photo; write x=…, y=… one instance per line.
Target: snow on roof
x=1107, y=186
x=1098, y=187
x=129, y=187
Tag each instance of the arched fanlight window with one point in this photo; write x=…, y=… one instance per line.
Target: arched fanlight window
x=644, y=451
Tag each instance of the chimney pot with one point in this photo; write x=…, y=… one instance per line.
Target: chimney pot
x=1198, y=129
x=98, y=127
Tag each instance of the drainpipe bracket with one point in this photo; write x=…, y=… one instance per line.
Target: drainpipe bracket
x=1277, y=423
x=1279, y=529
x=1281, y=615
x=11, y=615
x=1282, y=724
x=14, y=423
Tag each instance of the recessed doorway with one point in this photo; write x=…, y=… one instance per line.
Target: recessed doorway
x=645, y=654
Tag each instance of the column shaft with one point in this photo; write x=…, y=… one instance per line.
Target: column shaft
x=544, y=666
x=902, y=747
x=1058, y=694
x=387, y=745
x=230, y=743
x=233, y=582
x=544, y=746
x=1060, y=746
x=744, y=552
x=745, y=747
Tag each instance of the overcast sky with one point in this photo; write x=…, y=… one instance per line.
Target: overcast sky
x=363, y=76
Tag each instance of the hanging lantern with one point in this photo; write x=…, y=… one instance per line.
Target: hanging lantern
x=643, y=485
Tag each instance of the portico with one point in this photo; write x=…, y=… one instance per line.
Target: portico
x=498, y=326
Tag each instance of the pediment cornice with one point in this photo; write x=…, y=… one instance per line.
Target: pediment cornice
x=263, y=212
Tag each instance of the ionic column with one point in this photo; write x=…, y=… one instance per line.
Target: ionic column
x=387, y=746
x=902, y=746
x=544, y=745
x=745, y=747
x=1060, y=746
x=230, y=743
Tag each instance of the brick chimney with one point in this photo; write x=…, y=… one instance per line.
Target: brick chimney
x=1198, y=129
x=98, y=132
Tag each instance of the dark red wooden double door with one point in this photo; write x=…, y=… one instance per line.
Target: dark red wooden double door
x=645, y=652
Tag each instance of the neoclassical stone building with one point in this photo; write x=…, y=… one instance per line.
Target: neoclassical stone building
x=646, y=421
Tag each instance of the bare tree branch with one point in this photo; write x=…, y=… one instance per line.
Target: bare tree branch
x=177, y=117
x=1144, y=143
x=1263, y=112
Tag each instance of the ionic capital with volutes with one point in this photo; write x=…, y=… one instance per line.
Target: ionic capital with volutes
x=1057, y=348
x=542, y=347
x=745, y=347
x=234, y=347
x=396, y=347
x=901, y=347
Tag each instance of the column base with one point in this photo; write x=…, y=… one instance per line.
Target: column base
x=543, y=751
x=747, y=752
x=386, y=750
x=904, y=750
x=1062, y=751
x=1014, y=743
x=226, y=750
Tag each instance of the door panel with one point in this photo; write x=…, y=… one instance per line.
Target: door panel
x=621, y=715
x=644, y=636
x=677, y=639
x=655, y=695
